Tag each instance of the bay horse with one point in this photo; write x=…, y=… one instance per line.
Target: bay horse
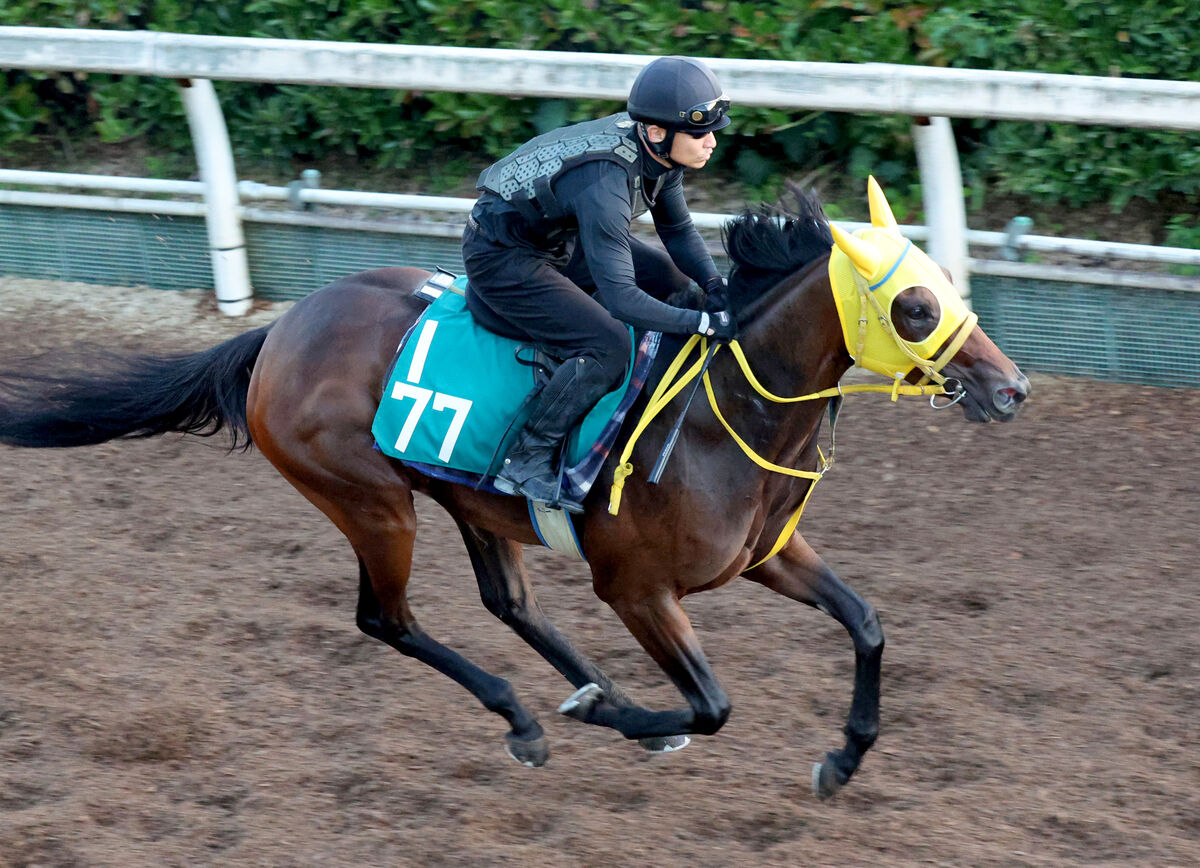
x=305, y=388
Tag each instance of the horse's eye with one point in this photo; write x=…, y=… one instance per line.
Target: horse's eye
x=919, y=312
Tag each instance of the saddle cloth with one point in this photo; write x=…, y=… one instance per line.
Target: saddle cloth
x=454, y=400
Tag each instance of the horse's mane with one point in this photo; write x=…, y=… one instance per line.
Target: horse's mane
x=767, y=243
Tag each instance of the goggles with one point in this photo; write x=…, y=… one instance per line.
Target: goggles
x=705, y=113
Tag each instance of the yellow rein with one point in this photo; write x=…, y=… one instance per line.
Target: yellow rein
x=668, y=387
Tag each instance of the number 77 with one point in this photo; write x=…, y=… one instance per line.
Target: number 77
x=460, y=406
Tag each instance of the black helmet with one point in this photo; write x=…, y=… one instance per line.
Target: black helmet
x=680, y=94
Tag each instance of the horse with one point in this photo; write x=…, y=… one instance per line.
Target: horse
x=304, y=389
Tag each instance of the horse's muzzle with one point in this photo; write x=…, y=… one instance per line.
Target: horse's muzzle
x=1008, y=398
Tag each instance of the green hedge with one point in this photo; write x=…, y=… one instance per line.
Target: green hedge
x=1052, y=163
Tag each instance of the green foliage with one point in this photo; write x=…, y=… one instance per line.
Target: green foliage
x=1052, y=163
x=1080, y=165
x=21, y=112
x=1064, y=162
x=1184, y=231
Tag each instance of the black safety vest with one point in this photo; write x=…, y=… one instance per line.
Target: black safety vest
x=526, y=177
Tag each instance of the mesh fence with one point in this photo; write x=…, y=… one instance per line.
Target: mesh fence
x=288, y=262
x=104, y=247
x=1110, y=333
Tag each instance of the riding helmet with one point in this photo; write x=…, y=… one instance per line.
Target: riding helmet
x=680, y=94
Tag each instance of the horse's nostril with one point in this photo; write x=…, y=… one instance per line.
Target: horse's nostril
x=1007, y=398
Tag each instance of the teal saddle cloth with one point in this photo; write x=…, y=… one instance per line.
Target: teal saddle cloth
x=455, y=399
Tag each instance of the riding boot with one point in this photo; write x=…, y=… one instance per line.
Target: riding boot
x=529, y=468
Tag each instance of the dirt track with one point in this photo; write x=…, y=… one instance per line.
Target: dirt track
x=181, y=681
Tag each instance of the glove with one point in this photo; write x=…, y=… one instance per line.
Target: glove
x=720, y=326
x=716, y=294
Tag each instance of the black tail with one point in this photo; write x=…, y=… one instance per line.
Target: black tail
x=85, y=398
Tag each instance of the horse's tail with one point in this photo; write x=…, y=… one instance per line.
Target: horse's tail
x=78, y=399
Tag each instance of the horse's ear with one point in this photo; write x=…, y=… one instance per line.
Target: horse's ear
x=881, y=211
x=863, y=254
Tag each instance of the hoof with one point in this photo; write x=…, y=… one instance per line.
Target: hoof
x=826, y=779
x=666, y=744
x=580, y=703
x=530, y=753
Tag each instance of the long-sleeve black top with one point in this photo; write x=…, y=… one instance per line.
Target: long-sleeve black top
x=595, y=198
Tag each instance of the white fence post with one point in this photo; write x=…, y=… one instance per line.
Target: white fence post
x=226, y=241
x=942, y=191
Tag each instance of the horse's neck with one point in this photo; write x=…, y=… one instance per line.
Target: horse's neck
x=793, y=343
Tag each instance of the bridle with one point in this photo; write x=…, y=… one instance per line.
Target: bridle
x=672, y=383
x=930, y=368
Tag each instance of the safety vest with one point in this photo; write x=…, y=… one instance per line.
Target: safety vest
x=526, y=176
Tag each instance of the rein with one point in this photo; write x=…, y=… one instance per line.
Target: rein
x=670, y=386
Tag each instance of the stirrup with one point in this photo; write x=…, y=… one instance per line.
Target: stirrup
x=574, y=507
x=558, y=501
x=561, y=501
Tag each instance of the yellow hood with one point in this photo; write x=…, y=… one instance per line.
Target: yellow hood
x=880, y=261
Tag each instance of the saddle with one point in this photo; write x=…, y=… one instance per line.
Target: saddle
x=456, y=396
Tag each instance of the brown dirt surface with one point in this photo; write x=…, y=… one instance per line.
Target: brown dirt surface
x=182, y=683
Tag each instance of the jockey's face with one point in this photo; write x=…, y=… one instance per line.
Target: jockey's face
x=686, y=149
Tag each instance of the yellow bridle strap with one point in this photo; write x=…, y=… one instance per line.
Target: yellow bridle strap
x=815, y=476
x=662, y=395
x=788, y=529
x=930, y=368
x=952, y=348
x=750, y=453
x=667, y=390
x=895, y=389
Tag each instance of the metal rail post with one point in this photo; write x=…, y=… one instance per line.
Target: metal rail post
x=226, y=241
x=942, y=191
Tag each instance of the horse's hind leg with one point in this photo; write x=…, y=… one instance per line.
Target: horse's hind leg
x=390, y=620
x=799, y=574
x=380, y=522
x=506, y=592
x=309, y=408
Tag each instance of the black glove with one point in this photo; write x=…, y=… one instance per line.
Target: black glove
x=716, y=294
x=720, y=326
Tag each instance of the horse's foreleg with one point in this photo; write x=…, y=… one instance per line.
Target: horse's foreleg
x=658, y=622
x=798, y=573
x=507, y=593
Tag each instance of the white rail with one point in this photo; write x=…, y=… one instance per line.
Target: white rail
x=28, y=178
x=226, y=241
x=250, y=191
x=872, y=87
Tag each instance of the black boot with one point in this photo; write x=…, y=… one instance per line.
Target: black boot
x=529, y=468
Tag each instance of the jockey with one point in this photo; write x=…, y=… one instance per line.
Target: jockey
x=550, y=258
